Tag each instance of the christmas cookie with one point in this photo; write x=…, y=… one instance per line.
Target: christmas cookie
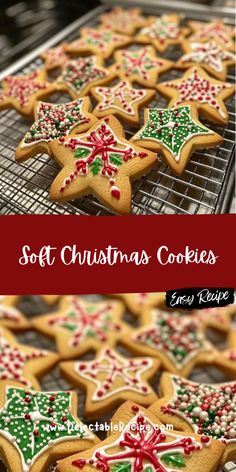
x=97, y=41
x=199, y=88
x=162, y=32
x=81, y=325
x=53, y=122
x=21, y=92
x=144, y=444
x=124, y=21
x=140, y=65
x=111, y=379
x=207, y=409
x=210, y=56
x=55, y=57
x=10, y=316
x=37, y=428
x=177, y=340
x=218, y=318
x=226, y=360
x=175, y=133
x=121, y=100
x=22, y=363
x=137, y=302
x=80, y=75
x=50, y=299
x=216, y=29
x=100, y=162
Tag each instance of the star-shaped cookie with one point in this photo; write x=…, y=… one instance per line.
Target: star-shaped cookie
x=137, y=302
x=21, y=92
x=37, y=428
x=124, y=21
x=207, y=409
x=110, y=379
x=215, y=29
x=121, y=100
x=140, y=65
x=53, y=122
x=22, y=363
x=218, y=318
x=162, y=32
x=55, y=57
x=100, y=162
x=205, y=92
x=144, y=444
x=175, y=133
x=226, y=360
x=10, y=316
x=80, y=75
x=97, y=41
x=210, y=56
x=177, y=340
x=80, y=325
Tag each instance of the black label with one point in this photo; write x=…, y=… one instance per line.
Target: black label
x=197, y=298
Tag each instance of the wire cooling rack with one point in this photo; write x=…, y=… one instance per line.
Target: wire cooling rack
x=205, y=187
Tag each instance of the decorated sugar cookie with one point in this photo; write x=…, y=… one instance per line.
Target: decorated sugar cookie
x=54, y=122
x=21, y=363
x=10, y=316
x=80, y=75
x=21, y=92
x=144, y=444
x=210, y=56
x=175, y=133
x=124, y=21
x=80, y=325
x=111, y=379
x=100, y=162
x=215, y=29
x=162, y=32
x=38, y=428
x=177, y=340
x=97, y=41
x=218, y=318
x=205, y=92
x=55, y=57
x=207, y=409
x=137, y=302
x=226, y=360
x=121, y=100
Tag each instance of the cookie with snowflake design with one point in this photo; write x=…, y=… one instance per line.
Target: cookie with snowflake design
x=98, y=41
x=22, y=91
x=177, y=340
x=10, y=316
x=38, y=428
x=197, y=87
x=80, y=325
x=162, y=32
x=123, y=20
x=216, y=29
x=54, y=122
x=121, y=100
x=207, y=409
x=144, y=444
x=22, y=363
x=111, y=379
x=175, y=133
x=226, y=360
x=210, y=56
x=55, y=57
x=137, y=302
x=100, y=162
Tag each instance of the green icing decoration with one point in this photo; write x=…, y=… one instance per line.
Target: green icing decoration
x=121, y=467
x=175, y=459
x=81, y=152
x=80, y=72
x=96, y=166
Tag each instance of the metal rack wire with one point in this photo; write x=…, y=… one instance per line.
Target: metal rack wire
x=204, y=188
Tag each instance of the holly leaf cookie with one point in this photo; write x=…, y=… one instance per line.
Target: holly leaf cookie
x=177, y=340
x=140, y=65
x=22, y=363
x=10, y=316
x=54, y=122
x=143, y=444
x=21, y=92
x=210, y=56
x=97, y=41
x=226, y=360
x=162, y=32
x=207, y=409
x=121, y=100
x=175, y=133
x=199, y=88
x=216, y=29
x=137, y=302
x=55, y=57
x=100, y=162
x=79, y=325
x=124, y=21
x=37, y=428
x=111, y=379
